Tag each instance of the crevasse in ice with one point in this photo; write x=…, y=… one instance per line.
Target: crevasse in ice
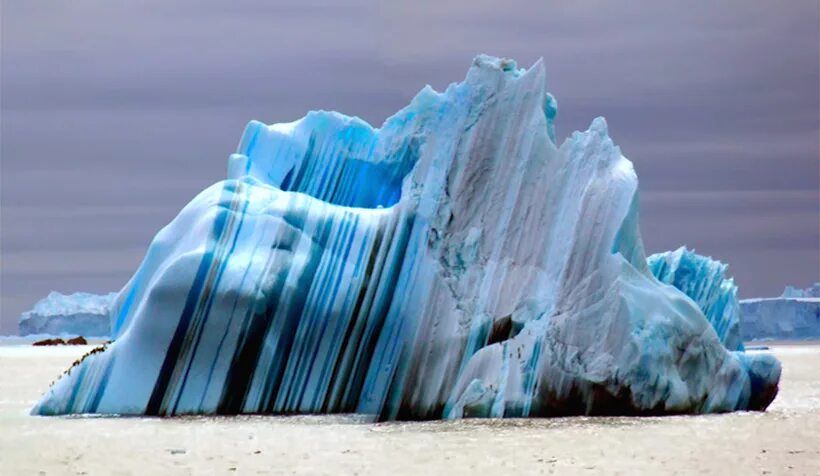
x=69, y=315
x=454, y=262
x=704, y=280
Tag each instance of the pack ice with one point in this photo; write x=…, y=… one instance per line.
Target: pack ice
x=69, y=315
x=453, y=263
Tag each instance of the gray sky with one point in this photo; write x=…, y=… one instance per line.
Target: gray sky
x=115, y=114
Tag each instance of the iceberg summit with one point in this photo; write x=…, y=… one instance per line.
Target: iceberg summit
x=455, y=262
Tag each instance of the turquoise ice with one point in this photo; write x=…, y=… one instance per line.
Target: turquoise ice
x=704, y=280
x=454, y=262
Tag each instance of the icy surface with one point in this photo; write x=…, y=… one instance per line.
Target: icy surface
x=795, y=315
x=704, y=280
x=454, y=262
x=69, y=315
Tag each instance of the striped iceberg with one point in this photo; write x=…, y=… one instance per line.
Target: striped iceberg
x=455, y=262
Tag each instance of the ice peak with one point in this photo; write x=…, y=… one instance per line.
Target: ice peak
x=493, y=62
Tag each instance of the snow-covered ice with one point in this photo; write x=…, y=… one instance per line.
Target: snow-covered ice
x=454, y=262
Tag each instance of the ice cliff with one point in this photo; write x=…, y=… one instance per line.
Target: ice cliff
x=75, y=314
x=455, y=262
x=795, y=315
x=703, y=280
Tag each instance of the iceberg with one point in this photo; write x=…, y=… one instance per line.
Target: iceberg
x=795, y=315
x=455, y=262
x=75, y=314
x=703, y=280
x=811, y=292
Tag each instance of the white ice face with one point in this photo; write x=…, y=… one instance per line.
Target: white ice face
x=454, y=262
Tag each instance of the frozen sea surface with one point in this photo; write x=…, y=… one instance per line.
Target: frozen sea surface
x=784, y=440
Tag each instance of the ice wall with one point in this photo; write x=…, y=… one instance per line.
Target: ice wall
x=795, y=315
x=454, y=262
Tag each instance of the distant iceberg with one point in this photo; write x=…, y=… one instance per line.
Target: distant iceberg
x=811, y=292
x=455, y=262
x=795, y=315
x=58, y=314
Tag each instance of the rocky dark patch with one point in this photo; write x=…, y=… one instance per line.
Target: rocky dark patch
x=49, y=342
x=79, y=340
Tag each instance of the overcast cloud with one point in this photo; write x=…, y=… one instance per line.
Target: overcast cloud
x=115, y=114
